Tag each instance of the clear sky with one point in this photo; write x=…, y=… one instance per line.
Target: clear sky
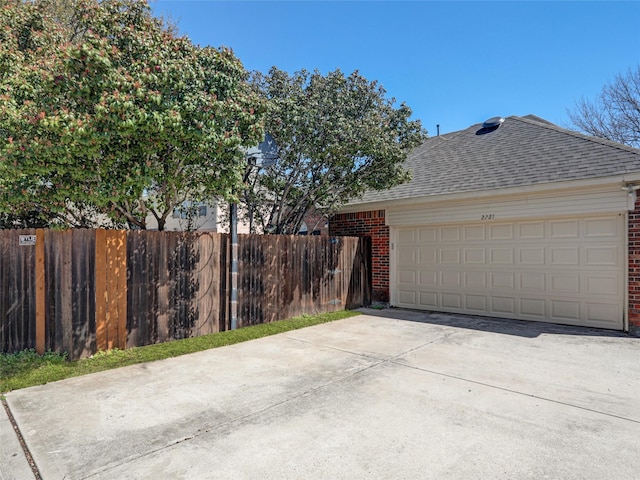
x=454, y=63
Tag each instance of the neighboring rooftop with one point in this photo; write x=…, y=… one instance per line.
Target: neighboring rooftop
x=520, y=151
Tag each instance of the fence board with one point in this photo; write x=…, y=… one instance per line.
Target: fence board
x=116, y=284
x=138, y=315
x=84, y=293
x=57, y=295
x=207, y=271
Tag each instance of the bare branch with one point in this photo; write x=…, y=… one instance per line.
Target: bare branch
x=615, y=113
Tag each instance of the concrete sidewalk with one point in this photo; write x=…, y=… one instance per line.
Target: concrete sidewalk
x=390, y=394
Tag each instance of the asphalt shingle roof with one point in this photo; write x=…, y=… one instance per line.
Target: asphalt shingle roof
x=522, y=151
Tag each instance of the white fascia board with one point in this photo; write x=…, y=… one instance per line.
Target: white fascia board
x=617, y=181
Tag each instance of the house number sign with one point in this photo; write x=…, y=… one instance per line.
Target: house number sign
x=489, y=216
x=26, y=240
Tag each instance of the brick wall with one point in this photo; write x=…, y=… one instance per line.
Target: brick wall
x=634, y=270
x=369, y=224
x=316, y=222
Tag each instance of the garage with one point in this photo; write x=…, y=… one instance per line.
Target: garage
x=564, y=270
x=514, y=218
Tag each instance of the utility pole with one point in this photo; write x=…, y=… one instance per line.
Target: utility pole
x=264, y=155
x=233, y=230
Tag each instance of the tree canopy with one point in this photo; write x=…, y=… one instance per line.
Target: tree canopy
x=110, y=113
x=337, y=137
x=615, y=113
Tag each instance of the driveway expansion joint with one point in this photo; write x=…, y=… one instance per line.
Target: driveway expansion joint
x=23, y=444
x=516, y=392
x=239, y=418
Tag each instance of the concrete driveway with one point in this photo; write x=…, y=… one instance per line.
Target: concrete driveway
x=387, y=395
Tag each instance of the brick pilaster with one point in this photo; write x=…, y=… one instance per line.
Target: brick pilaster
x=634, y=270
x=368, y=224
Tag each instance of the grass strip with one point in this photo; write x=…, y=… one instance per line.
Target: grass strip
x=27, y=368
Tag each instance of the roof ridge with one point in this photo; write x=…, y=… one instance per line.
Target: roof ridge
x=582, y=136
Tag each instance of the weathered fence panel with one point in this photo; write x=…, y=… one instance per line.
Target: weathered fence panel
x=70, y=291
x=18, y=294
x=81, y=291
x=286, y=276
x=174, y=285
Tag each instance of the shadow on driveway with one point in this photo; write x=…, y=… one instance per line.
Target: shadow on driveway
x=521, y=328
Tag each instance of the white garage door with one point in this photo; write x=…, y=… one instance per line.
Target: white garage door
x=568, y=270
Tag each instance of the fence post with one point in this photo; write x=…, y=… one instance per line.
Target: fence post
x=101, y=289
x=117, y=288
x=41, y=306
x=111, y=289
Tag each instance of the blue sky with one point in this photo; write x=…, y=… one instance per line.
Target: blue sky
x=454, y=63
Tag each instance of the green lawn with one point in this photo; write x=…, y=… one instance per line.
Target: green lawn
x=27, y=368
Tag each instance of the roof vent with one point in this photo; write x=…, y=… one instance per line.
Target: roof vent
x=493, y=122
x=490, y=125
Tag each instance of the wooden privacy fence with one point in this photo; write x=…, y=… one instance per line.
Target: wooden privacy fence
x=80, y=291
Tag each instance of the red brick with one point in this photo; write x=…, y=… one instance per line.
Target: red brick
x=634, y=273
x=368, y=224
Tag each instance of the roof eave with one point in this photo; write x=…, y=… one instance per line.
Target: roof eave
x=614, y=181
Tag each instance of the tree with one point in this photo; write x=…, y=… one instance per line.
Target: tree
x=31, y=219
x=123, y=118
x=615, y=113
x=337, y=137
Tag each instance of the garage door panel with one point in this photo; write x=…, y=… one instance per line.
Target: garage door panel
x=451, y=300
x=428, y=300
x=531, y=230
x=598, y=314
x=428, y=255
x=531, y=256
x=407, y=297
x=428, y=278
x=407, y=276
x=565, y=309
x=474, y=232
x=564, y=256
x=502, y=280
x=475, y=280
x=502, y=256
x=451, y=256
x=407, y=256
x=533, y=307
x=501, y=232
x=567, y=270
x=503, y=305
x=599, y=228
x=606, y=255
x=561, y=229
x=427, y=235
x=450, y=279
x=474, y=256
x=533, y=281
x=602, y=285
x=475, y=303
x=565, y=282
x=450, y=234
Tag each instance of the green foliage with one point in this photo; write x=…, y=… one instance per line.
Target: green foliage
x=107, y=111
x=31, y=219
x=27, y=368
x=18, y=363
x=338, y=136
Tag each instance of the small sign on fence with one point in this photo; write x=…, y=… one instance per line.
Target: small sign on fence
x=26, y=240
